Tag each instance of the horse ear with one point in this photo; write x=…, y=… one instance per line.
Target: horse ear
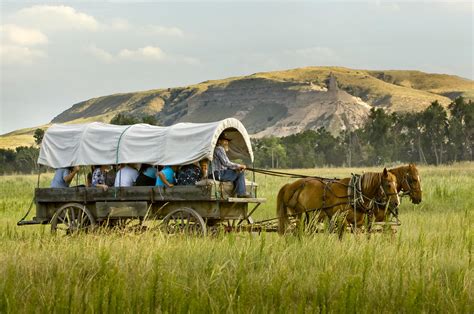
x=385, y=172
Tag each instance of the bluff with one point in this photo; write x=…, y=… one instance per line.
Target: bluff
x=275, y=103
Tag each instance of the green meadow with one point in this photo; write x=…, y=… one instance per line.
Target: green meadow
x=425, y=267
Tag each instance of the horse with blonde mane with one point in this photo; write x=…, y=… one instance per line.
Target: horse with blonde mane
x=355, y=197
x=409, y=183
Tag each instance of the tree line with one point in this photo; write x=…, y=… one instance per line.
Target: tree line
x=433, y=136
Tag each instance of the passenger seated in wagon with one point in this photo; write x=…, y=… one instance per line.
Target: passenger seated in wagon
x=192, y=173
x=147, y=176
x=63, y=177
x=126, y=176
x=225, y=170
x=99, y=175
x=166, y=177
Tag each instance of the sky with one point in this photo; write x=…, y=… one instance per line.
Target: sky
x=56, y=54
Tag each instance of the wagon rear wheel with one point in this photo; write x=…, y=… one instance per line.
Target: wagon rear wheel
x=184, y=220
x=72, y=218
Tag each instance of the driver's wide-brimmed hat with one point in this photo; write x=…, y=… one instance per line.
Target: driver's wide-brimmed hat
x=224, y=136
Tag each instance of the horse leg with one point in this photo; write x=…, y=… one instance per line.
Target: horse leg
x=282, y=211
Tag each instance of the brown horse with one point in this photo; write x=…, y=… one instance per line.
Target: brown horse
x=354, y=197
x=408, y=182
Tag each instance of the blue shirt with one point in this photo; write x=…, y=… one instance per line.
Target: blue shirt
x=150, y=172
x=58, y=180
x=169, y=175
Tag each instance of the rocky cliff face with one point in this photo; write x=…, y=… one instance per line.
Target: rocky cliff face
x=265, y=106
x=269, y=107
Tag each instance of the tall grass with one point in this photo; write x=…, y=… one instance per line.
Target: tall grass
x=425, y=267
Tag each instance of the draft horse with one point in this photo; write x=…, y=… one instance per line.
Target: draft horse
x=409, y=183
x=354, y=197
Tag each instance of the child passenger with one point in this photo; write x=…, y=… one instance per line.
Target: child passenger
x=147, y=176
x=189, y=174
x=99, y=175
x=166, y=176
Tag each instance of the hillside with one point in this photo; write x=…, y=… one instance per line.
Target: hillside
x=277, y=103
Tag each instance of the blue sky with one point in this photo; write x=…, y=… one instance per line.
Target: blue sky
x=55, y=54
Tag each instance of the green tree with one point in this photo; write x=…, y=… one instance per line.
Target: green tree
x=269, y=152
x=38, y=135
x=7, y=161
x=124, y=119
x=150, y=119
x=434, y=131
x=407, y=129
x=461, y=129
x=377, y=133
x=300, y=149
x=328, y=149
x=26, y=159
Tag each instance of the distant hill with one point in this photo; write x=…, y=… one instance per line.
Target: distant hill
x=277, y=103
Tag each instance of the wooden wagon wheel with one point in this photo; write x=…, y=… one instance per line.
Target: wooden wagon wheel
x=184, y=220
x=72, y=218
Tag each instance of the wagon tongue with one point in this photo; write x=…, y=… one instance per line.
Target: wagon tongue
x=28, y=222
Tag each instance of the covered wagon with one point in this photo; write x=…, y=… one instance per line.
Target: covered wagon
x=208, y=205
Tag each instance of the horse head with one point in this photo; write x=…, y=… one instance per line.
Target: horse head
x=411, y=183
x=381, y=187
x=388, y=189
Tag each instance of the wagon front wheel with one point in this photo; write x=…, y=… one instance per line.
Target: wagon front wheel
x=184, y=220
x=72, y=218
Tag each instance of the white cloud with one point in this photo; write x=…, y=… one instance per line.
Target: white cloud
x=17, y=55
x=62, y=17
x=55, y=17
x=100, y=54
x=22, y=36
x=118, y=25
x=146, y=53
x=163, y=30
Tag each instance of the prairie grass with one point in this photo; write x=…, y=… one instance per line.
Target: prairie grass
x=425, y=267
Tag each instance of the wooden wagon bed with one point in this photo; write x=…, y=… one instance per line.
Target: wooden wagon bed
x=212, y=201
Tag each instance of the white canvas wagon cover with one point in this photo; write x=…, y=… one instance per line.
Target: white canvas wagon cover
x=96, y=143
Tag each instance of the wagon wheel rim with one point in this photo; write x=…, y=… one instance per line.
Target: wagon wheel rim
x=184, y=221
x=71, y=219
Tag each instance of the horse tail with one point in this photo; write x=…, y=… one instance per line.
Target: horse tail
x=282, y=212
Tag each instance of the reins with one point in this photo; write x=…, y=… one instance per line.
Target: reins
x=288, y=175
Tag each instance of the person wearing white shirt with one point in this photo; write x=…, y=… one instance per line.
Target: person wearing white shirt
x=126, y=176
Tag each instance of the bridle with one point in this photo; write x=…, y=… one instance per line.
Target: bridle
x=408, y=180
x=381, y=199
x=386, y=203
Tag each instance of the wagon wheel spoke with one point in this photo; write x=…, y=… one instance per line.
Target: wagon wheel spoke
x=67, y=217
x=188, y=223
x=80, y=221
x=83, y=222
x=61, y=219
x=72, y=218
x=185, y=221
x=183, y=224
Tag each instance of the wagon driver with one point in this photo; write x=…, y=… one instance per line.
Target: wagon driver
x=225, y=170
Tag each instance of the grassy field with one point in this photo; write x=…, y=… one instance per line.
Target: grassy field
x=425, y=267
